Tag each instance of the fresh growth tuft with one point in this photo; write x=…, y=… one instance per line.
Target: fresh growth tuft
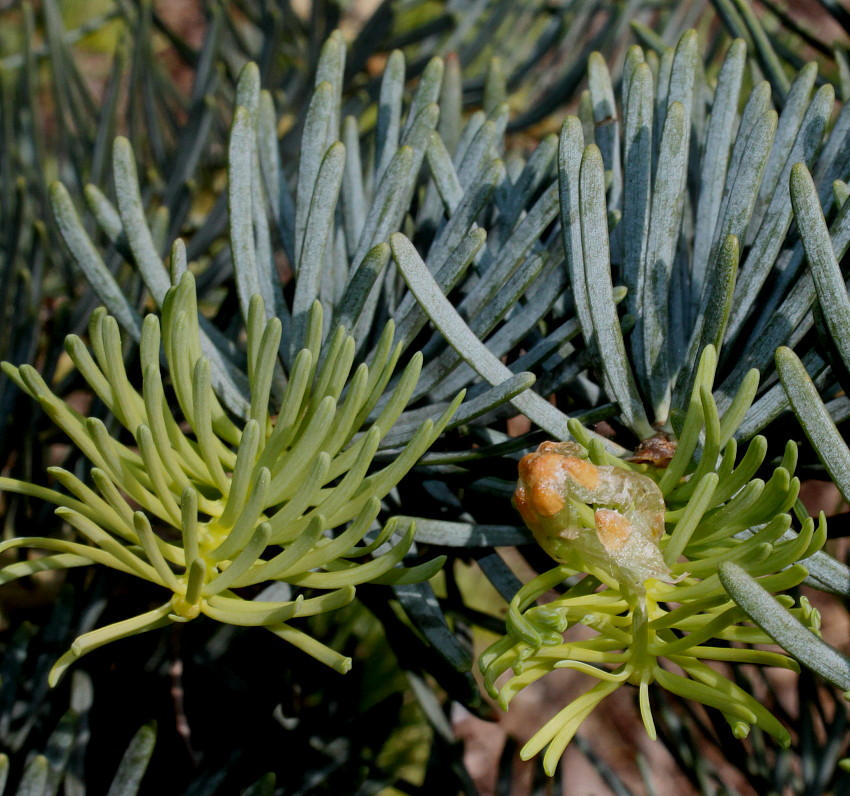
x=641, y=565
x=203, y=506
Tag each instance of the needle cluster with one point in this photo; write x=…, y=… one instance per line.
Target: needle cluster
x=202, y=506
x=663, y=628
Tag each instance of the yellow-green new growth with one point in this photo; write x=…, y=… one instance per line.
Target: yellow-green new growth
x=283, y=498
x=667, y=605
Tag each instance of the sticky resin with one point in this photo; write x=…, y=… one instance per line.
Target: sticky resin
x=604, y=516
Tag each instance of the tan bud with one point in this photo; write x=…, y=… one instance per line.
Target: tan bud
x=612, y=528
x=581, y=471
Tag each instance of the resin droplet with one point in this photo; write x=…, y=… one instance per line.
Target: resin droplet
x=601, y=516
